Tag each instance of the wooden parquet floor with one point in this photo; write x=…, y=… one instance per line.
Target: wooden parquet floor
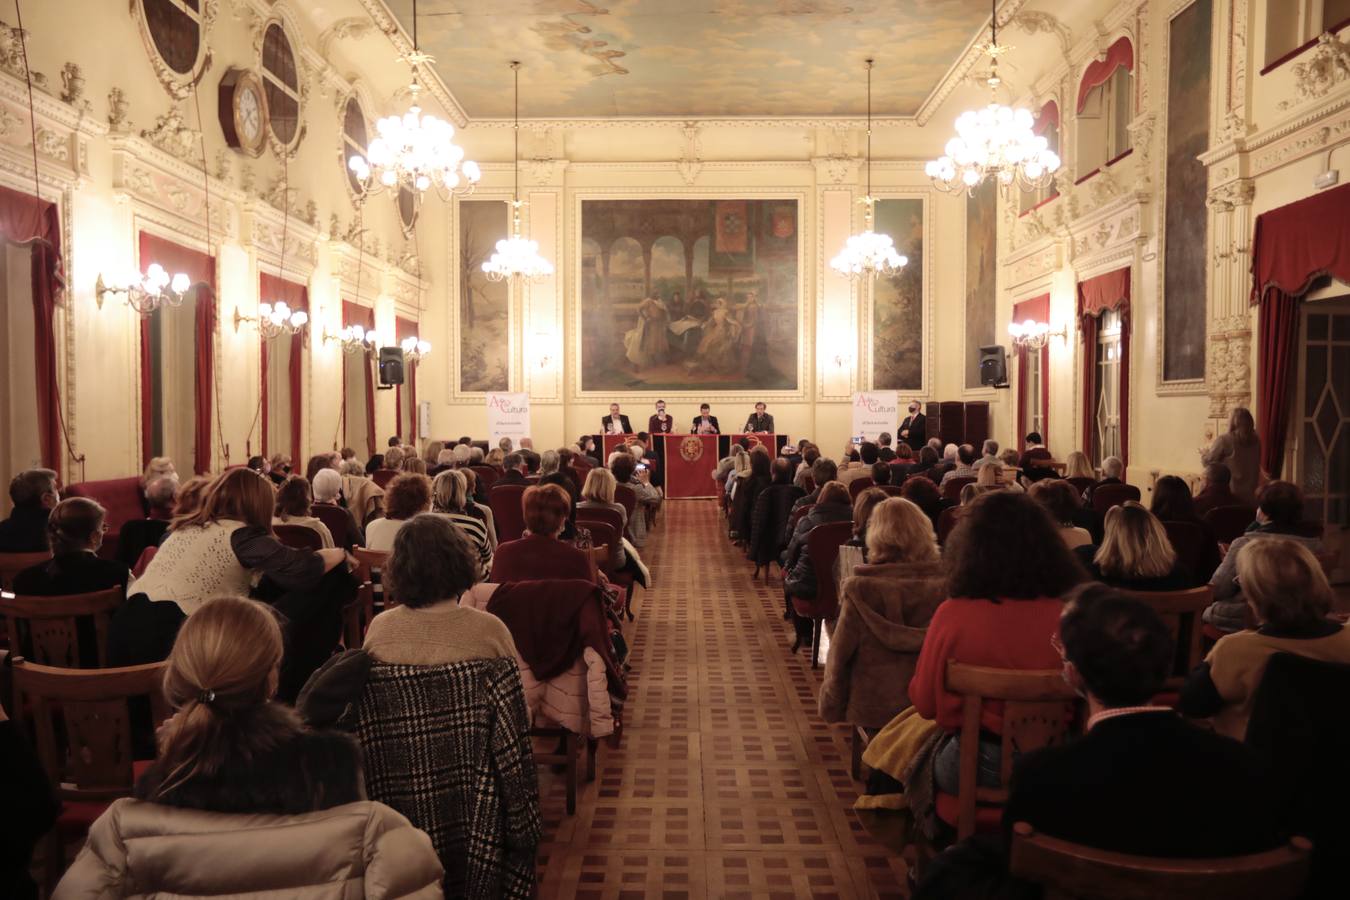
x=727, y=784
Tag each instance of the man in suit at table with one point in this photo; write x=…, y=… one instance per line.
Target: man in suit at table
x=614, y=423
x=913, y=430
x=705, y=423
x=661, y=422
x=759, y=422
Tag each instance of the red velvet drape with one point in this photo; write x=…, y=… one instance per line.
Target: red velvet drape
x=1038, y=309
x=406, y=328
x=26, y=219
x=1110, y=290
x=296, y=296
x=356, y=314
x=201, y=269
x=1292, y=247
x=1121, y=53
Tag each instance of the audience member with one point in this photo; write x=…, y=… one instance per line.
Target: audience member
x=34, y=495
x=884, y=610
x=1135, y=554
x=1215, y=490
x=1034, y=453
x=853, y=553
x=988, y=454
x=540, y=555
x=515, y=470
x=884, y=451
x=1077, y=465
x=414, y=465
x=903, y=464
x=823, y=471
x=157, y=467
x=1172, y=502
x=867, y=459
x=1007, y=569
x=881, y=473
x=626, y=471
x=159, y=495
x=451, y=498
x=743, y=504
x=404, y=497
x=278, y=468
x=327, y=490
x=951, y=458
x=230, y=750
x=375, y=463
x=31, y=809
x=75, y=532
x=317, y=463
x=1240, y=450
x=990, y=475
x=1011, y=469
x=923, y=493
x=393, y=458
x=495, y=458
x=1278, y=514
x=927, y=462
x=598, y=493
x=432, y=453
x=800, y=579
x=1289, y=598
x=1113, y=472
x=293, y=507
x=1063, y=503
x=965, y=457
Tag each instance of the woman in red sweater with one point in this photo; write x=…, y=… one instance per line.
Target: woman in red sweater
x=1007, y=568
x=539, y=555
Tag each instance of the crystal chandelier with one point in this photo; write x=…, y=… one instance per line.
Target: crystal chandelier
x=517, y=256
x=868, y=254
x=414, y=151
x=145, y=293
x=415, y=348
x=1032, y=334
x=996, y=142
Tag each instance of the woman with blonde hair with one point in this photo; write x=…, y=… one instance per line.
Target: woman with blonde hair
x=494, y=458
x=414, y=464
x=1240, y=450
x=1135, y=554
x=1289, y=598
x=884, y=610
x=239, y=772
x=451, y=498
x=854, y=552
x=1076, y=465
x=598, y=493
x=432, y=455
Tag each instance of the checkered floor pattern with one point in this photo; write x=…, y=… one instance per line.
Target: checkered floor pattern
x=727, y=784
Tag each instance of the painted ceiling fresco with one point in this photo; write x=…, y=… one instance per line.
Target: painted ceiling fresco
x=584, y=58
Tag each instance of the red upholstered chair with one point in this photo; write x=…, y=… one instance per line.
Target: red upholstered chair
x=121, y=497
x=627, y=498
x=382, y=477
x=1188, y=539
x=822, y=543
x=797, y=515
x=948, y=519
x=890, y=490
x=486, y=474
x=1081, y=483
x=858, y=485
x=610, y=517
x=951, y=489
x=1036, y=704
x=144, y=562
x=299, y=537
x=1229, y=522
x=508, y=513
x=335, y=519
x=1105, y=496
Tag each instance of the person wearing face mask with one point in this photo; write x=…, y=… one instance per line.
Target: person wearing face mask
x=660, y=422
x=913, y=430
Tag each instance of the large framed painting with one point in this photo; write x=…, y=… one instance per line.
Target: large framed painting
x=684, y=294
x=484, y=313
x=1186, y=218
x=981, y=275
x=898, y=300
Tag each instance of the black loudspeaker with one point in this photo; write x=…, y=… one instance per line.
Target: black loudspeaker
x=391, y=366
x=993, y=366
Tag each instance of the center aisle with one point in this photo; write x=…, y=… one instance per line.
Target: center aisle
x=728, y=783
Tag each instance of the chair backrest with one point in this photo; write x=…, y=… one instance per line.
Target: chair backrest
x=334, y=519
x=1229, y=522
x=120, y=497
x=1066, y=870
x=1189, y=540
x=610, y=517
x=823, y=543
x=300, y=537
x=1081, y=483
x=1105, y=496
x=891, y=490
x=508, y=513
x=486, y=474
x=143, y=561
x=12, y=564
x=604, y=535
x=1034, y=716
x=798, y=514
x=82, y=724
x=951, y=489
x=858, y=485
x=626, y=497
x=382, y=477
x=135, y=536
x=809, y=483
x=368, y=561
x=1181, y=611
x=48, y=629
x=948, y=519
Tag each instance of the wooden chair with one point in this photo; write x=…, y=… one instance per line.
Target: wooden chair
x=610, y=517
x=356, y=615
x=11, y=564
x=47, y=629
x=368, y=562
x=1105, y=496
x=952, y=489
x=299, y=537
x=83, y=736
x=335, y=520
x=626, y=497
x=1229, y=522
x=891, y=490
x=569, y=748
x=1068, y=871
x=1181, y=611
x=602, y=535
x=508, y=512
x=858, y=485
x=1035, y=704
x=822, y=543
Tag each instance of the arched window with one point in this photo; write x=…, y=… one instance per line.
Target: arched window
x=175, y=29
x=353, y=138
x=1105, y=108
x=1047, y=125
x=281, y=81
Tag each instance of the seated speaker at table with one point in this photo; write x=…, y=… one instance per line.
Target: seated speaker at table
x=615, y=423
x=705, y=422
x=760, y=422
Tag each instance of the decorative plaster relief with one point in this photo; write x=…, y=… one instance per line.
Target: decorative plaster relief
x=172, y=134
x=1327, y=66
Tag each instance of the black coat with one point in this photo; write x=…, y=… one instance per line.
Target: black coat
x=801, y=578
x=768, y=521
x=757, y=423
x=1150, y=784
x=743, y=504
x=25, y=531
x=918, y=430
x=627, y=427
x=712, y=420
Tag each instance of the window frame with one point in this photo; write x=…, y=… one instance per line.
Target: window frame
x=346, y=143
x=178, y=83
x=272, y=81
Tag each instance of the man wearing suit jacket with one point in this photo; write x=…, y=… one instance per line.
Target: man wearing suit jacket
x=1141, y=779
x=705, y=423
x=661, y=422
x=913, y=430
x=614, y=423
x=760, y=422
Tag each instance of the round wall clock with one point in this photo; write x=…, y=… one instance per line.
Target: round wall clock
x=243, y=111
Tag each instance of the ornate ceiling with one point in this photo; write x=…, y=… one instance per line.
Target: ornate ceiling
x=696, y=58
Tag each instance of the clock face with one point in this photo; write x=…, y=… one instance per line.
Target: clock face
x=250, y=114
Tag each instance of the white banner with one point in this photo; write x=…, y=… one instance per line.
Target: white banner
x=508, y=416
x=875, y=412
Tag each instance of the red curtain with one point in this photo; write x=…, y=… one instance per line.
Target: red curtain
x=406, y=328
x=356, y=314
x=1038, y=309
x=201, y=270
x=1293, y=246
x=1096, y=295
x=1121, y=53
x=1047, y=119
x=26, y=219
x=296, y=296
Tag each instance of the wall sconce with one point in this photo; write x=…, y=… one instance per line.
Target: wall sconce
x=1034, y=335
x=144, y=293
x=275, y=319
x=354, y=339
x=415, y=348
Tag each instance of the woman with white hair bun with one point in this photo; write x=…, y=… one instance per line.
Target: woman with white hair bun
x=328, y=508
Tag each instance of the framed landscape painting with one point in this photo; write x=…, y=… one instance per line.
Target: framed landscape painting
x=898, y=300
x=689, y=295
x=484, y=314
